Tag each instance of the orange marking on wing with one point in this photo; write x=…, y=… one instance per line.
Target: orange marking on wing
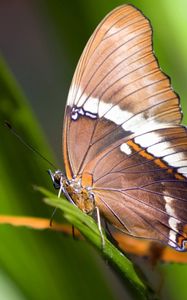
x=87, y=180
x=179, y=176
x=180, y=240
x=183, y=237
x=146, y=155
x=66, y=158
x=185, y=230
x=157, y=161
x=139, y=149
x=134, y=146
x=160, y=163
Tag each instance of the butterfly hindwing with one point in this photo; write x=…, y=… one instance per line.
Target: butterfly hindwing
x=143, y=191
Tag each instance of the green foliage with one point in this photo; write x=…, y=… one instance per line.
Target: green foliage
x=89, y=229
x=46, y=265
x=41, y=265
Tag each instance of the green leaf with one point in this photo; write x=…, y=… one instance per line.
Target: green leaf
x=88, y=227
x=41, y=265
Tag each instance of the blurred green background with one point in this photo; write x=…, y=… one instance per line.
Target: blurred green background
x=41, y=42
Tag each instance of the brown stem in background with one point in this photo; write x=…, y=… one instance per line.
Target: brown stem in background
x=154, y=251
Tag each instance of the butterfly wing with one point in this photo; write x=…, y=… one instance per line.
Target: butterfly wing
x=117, y=82
x=140, y=185
x=119, y=101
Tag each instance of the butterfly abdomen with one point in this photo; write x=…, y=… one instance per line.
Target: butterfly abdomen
x=82, y=197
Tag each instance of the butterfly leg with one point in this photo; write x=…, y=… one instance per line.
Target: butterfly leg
x=52, y=216
x=110, y=235
x=99, y=226
x=54, y=211
x=61, y=188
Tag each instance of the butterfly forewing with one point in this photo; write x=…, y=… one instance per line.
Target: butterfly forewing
x=122, y=132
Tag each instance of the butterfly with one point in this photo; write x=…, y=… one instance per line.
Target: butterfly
x=124, y=149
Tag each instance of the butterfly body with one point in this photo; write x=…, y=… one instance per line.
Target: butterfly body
x=125, y=151
x=82, y=197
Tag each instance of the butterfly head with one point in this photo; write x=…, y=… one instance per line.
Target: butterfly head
x=74, y=192
x=57, y=178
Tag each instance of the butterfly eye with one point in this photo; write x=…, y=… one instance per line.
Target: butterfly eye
x=56, y=178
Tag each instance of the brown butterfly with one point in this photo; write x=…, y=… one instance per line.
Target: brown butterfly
x=125, y=152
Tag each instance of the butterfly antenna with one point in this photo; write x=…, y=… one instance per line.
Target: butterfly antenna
x=14, y=132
